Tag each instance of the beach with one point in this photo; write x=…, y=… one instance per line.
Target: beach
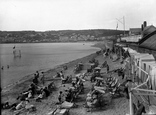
x=118, y=106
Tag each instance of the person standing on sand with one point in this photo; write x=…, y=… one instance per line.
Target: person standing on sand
x=60, y=97
x=128, y=86
x=35, y=80
x=42, y=78
x=62, y=77
x=126, y=91
x=107, y=68
x=37, y=74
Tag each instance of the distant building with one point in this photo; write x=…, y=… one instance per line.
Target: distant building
x=137, y=34
x=135, y=31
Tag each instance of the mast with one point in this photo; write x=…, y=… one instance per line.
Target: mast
x=124, y=24
x=122, y=21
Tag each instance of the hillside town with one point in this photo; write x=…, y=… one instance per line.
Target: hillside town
x=58, y=36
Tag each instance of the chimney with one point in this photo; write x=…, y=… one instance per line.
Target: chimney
x=145, y=24
x=142, y=27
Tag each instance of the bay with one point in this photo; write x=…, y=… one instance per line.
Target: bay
x=38, y=56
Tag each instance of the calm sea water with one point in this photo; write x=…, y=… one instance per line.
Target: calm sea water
x=38, y=56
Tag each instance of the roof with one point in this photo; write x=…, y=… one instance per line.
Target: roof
x=151, y=63
x=154, y=55
x=148, y=29
x=147, y=58
x=149, y=41
x=138, y=56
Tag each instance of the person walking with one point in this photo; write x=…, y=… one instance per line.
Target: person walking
x=35, y=80
x=37, y=74
x=123, y=74
x=43, y=78
x=128, y=86
x=107, y=68
x=60, y=97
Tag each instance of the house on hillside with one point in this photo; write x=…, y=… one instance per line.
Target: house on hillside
x=63, y=38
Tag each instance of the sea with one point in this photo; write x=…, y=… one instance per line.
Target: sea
x=37, y=57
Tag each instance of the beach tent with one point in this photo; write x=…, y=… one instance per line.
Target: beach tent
x=143, y=75
x=133, y=63
x=132, y=53
x=144, y=63
x=137, y=62
x=151, y=69
x=146, y=95
x=130, y=63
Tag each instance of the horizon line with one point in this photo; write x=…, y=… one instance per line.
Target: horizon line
x=58, y=30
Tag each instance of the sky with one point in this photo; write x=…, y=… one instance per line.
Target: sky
x=44, y=15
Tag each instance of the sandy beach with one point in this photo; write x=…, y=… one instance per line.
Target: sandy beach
x=118, y=106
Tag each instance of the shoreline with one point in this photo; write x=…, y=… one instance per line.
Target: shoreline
x=12, y=92
x=6, y=90
x=53, y=42
x=46, y=69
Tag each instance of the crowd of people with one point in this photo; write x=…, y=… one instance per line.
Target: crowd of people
x=71, y=94
x=78, y=67
x=37, y=90
x=111, y=84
